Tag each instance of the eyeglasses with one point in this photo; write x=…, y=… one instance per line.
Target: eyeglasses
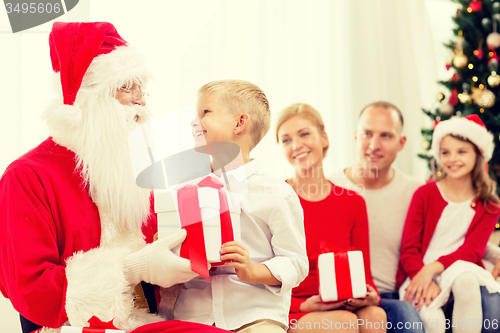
x=137, y=93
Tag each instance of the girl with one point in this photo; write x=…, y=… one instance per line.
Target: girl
x=332, y=214
x=447, y=227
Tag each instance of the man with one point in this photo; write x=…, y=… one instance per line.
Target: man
x=388, y=194
x=73, y=223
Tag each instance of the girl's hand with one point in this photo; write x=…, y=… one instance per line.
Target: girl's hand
x=372, y=298
x=239, y=260
x=314, y=303
x=432, y=292
x=419, y=285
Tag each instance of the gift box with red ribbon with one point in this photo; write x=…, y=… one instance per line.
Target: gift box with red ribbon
x=73, y=329
x=203, y=210
x=341, y=274
x=95, y=326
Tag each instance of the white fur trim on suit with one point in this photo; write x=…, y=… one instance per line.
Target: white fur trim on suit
x=97, y=287
x=466, y=129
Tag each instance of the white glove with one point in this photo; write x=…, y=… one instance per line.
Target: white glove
x=157, y=264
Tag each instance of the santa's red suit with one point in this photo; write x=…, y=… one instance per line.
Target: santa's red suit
x=70, y=248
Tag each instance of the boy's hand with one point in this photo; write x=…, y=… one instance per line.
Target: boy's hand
x=246, y=270
x=239, y=260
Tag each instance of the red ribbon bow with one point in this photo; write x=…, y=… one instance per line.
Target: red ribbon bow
x=193, y=247
x=98, y=323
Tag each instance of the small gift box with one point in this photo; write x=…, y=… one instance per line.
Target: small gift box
x=73, y=329
x=95, y=326
x=341, y=275
x=209, y=207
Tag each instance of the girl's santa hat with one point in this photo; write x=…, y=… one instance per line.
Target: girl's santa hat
x=94, y=55
x=469, y=127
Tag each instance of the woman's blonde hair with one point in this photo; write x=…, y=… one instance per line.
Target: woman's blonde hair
x=305, y=111
x=483, y=185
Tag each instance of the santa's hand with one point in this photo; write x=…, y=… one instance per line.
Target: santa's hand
x=156, y=264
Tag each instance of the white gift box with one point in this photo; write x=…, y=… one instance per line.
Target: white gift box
x=330, y=285
x=169, y=221
x=73, y=329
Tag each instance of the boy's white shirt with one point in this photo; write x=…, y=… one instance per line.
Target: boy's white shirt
x=272, y=229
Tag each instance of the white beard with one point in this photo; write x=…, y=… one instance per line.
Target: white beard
x=98, y=134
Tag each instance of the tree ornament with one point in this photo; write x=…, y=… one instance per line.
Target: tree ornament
x=449, y=60
x=495, y=7
x=426, y=145
x=494, y=79
x=446, y=109
x=440, y=97
x=453, y=100
x=455, y=77
x=492, y=54
x=479, y=54
x=460, y=61
x=487, y=100
x=496, y=20
x=484, y=98
x=464, y=98
x=493, y=39
x=475, y=6
x=486, y=23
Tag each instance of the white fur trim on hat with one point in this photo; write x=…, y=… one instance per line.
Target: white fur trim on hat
x=112, y=70
x=467, y=129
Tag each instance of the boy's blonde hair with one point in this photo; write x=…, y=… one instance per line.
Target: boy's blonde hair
x=238, y=97
x=305, y=111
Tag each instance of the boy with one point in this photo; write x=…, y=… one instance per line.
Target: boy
x=251, y=293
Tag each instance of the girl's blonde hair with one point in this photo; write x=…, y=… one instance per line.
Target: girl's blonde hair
x=483, y=185
x=305, y=111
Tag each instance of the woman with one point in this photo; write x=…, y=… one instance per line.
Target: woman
x=331, y=214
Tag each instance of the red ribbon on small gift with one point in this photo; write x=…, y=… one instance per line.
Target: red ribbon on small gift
x=342, y=269
x=95, y=322
x=193, y=247
x=95, y=326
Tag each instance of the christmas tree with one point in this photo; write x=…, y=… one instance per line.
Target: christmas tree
x=474, y=85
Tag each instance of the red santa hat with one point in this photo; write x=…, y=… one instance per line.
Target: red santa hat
x=469, y=127
x=93, y=51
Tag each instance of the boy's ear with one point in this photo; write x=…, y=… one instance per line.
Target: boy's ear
x=242, y=122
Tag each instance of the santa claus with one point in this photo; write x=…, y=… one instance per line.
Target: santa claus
x=74, y=226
